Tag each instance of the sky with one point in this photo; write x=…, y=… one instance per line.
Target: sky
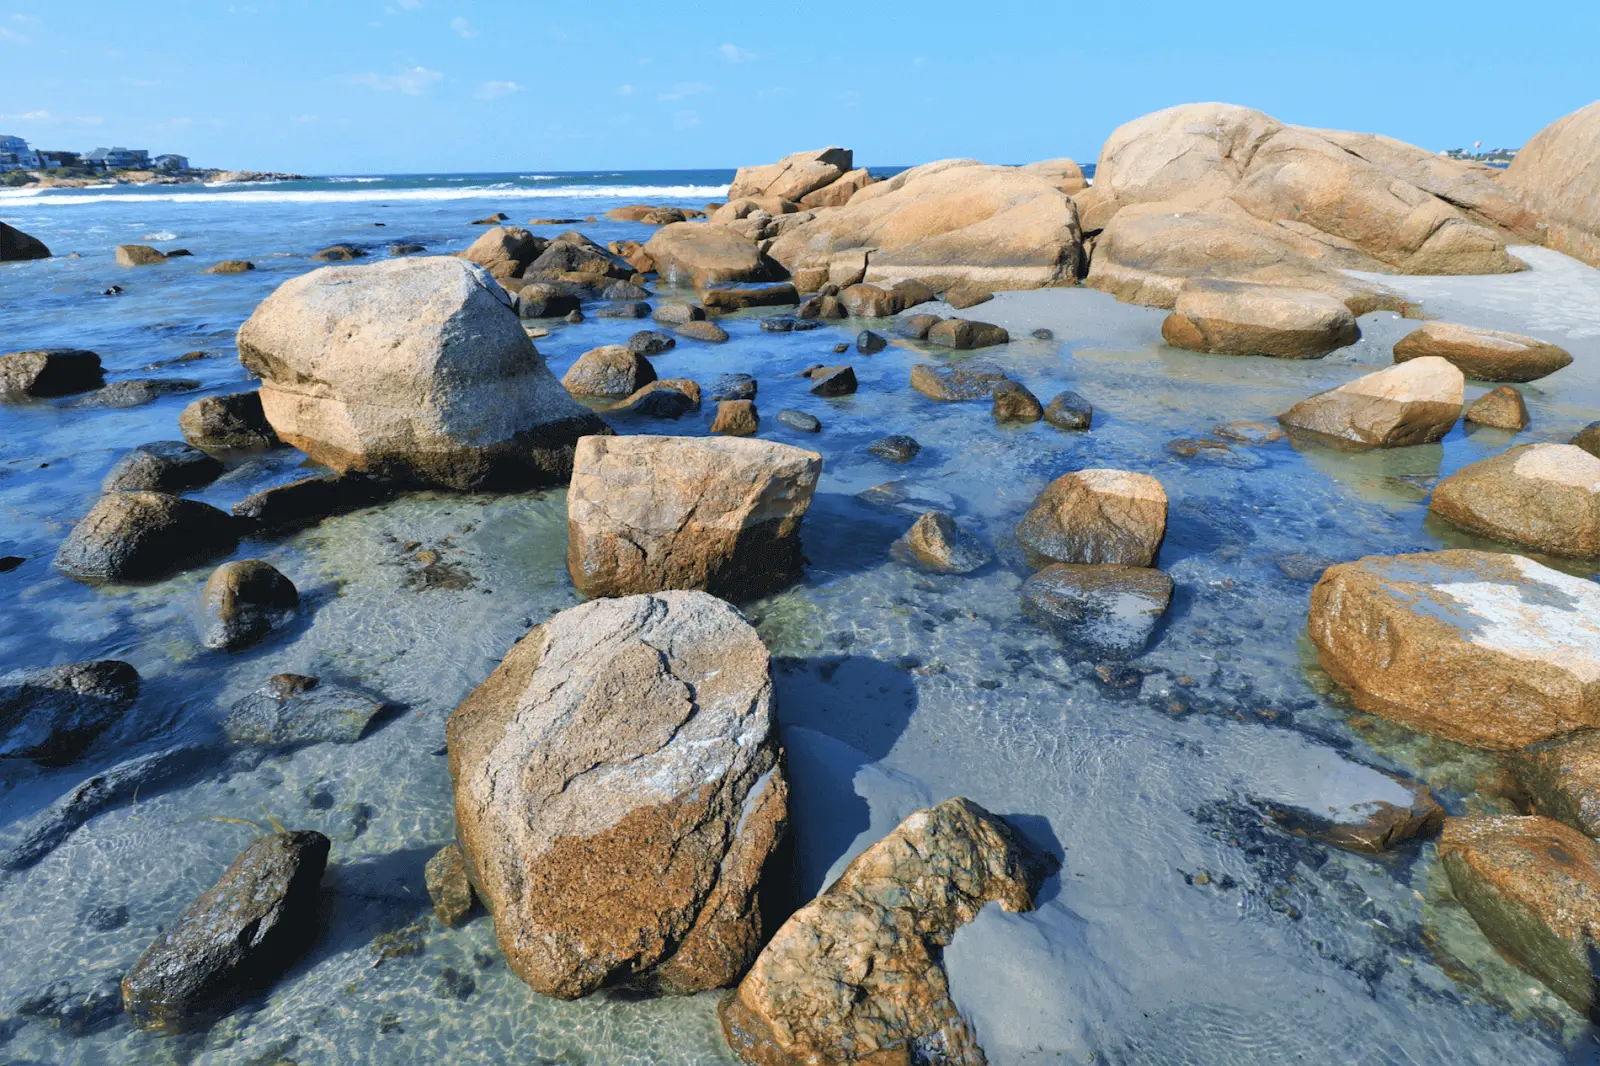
x=407, y=86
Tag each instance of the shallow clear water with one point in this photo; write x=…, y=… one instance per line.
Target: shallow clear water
x=1181, y=930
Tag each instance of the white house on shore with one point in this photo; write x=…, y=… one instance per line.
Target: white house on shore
x=118, y=158
x=16, y=155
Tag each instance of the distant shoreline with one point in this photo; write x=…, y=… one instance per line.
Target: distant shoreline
x=46, y=180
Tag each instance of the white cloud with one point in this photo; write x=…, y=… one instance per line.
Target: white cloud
x=494, y=90
x=462, y=27
x=734, y=54
x=682, y=91
x=50, y=118
x=624, y=90
x=685, y=120
x=414, y=82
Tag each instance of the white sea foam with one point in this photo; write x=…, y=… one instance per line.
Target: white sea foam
x=160, y=235
x=360, y=180
x=499, y=191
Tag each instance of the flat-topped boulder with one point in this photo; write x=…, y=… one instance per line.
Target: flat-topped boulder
x=132, y=255
x=414, y=371
x=647, y=513
x=1557, y=174
x=139, y=536
x=1540, y=496
x=619, y=793
x=794, y=176
x=16, y=246
x=1240, y=318
x=1096, y=516
x=1484, y=354
x=1533, y=887
x=1414, y=403
x=703, y=255
x=857, y=975
x=43, y=372
x=1486, y=649
x=611, y=370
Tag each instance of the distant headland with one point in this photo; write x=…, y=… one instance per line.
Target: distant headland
x=21, y=164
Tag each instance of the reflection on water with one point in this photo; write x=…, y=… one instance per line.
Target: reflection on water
x=1181, y=929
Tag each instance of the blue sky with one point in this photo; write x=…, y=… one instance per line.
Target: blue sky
x=382, y=86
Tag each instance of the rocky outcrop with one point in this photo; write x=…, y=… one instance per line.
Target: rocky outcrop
x=236, y=939
x=1413, y=403
x=792, y=177
x=838, y=192
x=1002, y=227
x=936, y=544
x=292, y=710
x=619, y=792
x=415, y=371
x=505, y=251
x=612, y=370
x=16, y=245
x=1096, y=516
x=51, y=715
x=1481, y=648
x=1240, y=318
x=856, y=976
x=45, y=372
x=1557, y=174
x=245, y=600
x=1099, y=612
x=1561, y=779
x=1540, y=496
x=138, y=536
x=1533, y=887
x=705, y=255
x=234, y=422
x=1484, y=354
x=651, y=513
x=1215, y=190
x=1499, y=408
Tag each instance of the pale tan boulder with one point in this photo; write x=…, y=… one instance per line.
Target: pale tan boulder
x=1240, y=318
x=1500, y=408
x=1002, y=227
x=838, y=192
x=413, y=370
x=722, y=514
x=1096, y=516
x=1413, y=403
x=505, y=251
x=1557, y=174
x=745, y=206
x=856, y=976
x=1482, y=648
x=1484, y=354
x=793, y=176
x=705, y=254
x=1540, y=496
x=1066, y=173
x=619, y=792
x=610, y=370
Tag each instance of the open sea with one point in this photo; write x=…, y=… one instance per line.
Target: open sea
x=1183, y=929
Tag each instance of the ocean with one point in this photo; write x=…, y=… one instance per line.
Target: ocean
x=1182, y=927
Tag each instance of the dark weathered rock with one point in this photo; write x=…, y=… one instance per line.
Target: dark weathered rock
x=953, y=383
x=542, y=300
x=917, y=327
x=619, y=795
x=77, y=1005
x=625, y=291
x=1043, y=334
x=963, y=334
x=43, y=372
x=1069, y=411
x=1500, y=408
x=449, y=887
x=50, y=715
x=1097, y=516
x=897, y=448
x=162, y=466
x=339, y=253
x=870, y=343
x=16, y=246
x=623, y=310
x=135, y=536
x=237, y=938
x=702, y=331
x=244, y=601
x=307, y=501
x=136, y=392
x=1014, y=403
x=406, y=248
x=935, y=543
x=572, y=253
x=612, y=370
x=734, y=387
x=799, y=420
x=231, y=266
x=665, y=398
x=736, y=418
x=291, y=710
x=234, y=422
x=1099, y=612
x=650, y=342
x=789, y=324
x=834, y=381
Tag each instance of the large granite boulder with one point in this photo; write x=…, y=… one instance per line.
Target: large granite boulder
x=1533, y=886
x=1484, y=354
x=857, y=975
x=1557, y=174
x=415, y=371
x=1486, y=649
x=16, y=245
x=1001, y=227
x=1224, y=191
x=649, y=513
x=138, y=536
x=792, y=177
x=1241, y=318
x=505, y=251
x=619, y=792
x=1540, y=496
x=44, y=372
x=51, y=715
x=236, y=939
x=1096, y=516
x=705, y=255
x=1099, y=612
x=1413, y=403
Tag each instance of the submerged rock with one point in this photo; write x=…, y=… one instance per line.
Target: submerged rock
x=449, y=887
x=339, y=253
x=44, y=372
x=1533, y=887
x=1413, y=403
x=292, y=710
x=1561, y=779
x=50, y=715
x=651, y=513
x=244, y=601
x=857, y=975
x=1099, y=611
x=736, y=418
x=897, y=448
x=1240, y=318
x=308, y=500
x=1484, y=354
x=1540, y=496
x=936, y=544
x=619, y=794
x=1069, y=411
x=231, y=266
x=953, y=383
x=136, y=536
x=457, y=397
x=162, y=466
x=1402, y=810
x=1246, y=431
x=77, y=1004
x=1486, y=649
x=799, y=420
x=237, y=938
x=234, y=422
x=136, y=392
x=1097, y=516
x=1501, y=408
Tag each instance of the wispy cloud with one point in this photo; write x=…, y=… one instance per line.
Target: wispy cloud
x=413, y=82
x=685, y=120
x=682, y=91
x=734, y=54
x=494, y=90
x=50, y=118
x=462, y=27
